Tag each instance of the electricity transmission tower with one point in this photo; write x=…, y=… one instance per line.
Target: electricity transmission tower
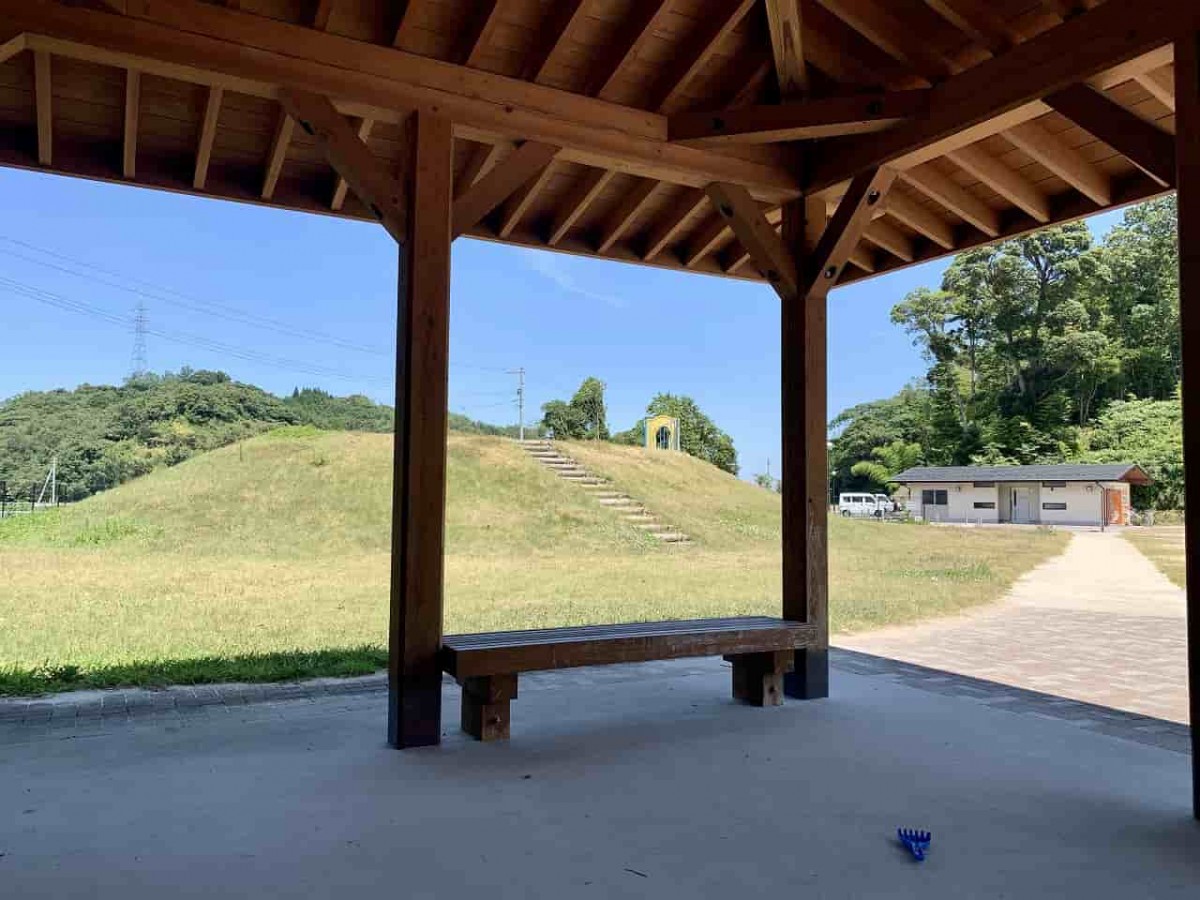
x=520, y=373
x=137, y=359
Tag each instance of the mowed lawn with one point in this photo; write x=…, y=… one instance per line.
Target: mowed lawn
x=269, y=560
x=1163, y=546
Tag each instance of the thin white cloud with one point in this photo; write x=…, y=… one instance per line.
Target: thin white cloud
x=557, y=269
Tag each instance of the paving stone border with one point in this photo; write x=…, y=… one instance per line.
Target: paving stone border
x=93, y=712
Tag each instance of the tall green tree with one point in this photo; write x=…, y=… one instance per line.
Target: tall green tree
x=699, y=435
x=889, y=460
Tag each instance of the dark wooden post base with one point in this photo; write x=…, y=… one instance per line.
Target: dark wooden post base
x=758, y=677
x=809, y=678
x=485, y=706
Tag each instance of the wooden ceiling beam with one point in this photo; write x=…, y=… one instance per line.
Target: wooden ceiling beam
x=341, y=186
x=800, y=120
x=11, y=47
x=586, y=190
x=944, y=190
x=892, y=35
x=1063, y=160
x=674, y=222
x=44, y=101
x=369, y=178
x=1145, y=145
x=766, y=248
x=321, y=12
x=403, y=21
x=1077, y=50
x=1006, y=182
x=749, y=81
x=205, y=44
x=842, y=234
x=566, y=13
x=524, y=165
x=133, y=99
x=713, y=234
x=977, y=20
x=890, y=238
x=480, y=26
x=627, y=210
x=519, y=203
x=785, y=23
x=632, y=34
x=481, y=161
x=1160, y=84
x=736, y=256
x=208, y=135
x=688, y=61
x=284, y=125
x=920, y=219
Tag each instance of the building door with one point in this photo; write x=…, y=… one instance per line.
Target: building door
x=1022, y=505
x=935, y=505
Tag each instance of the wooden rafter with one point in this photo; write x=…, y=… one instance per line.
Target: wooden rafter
x=1114, y=32
x=713, y=234
x=1006, y=182
x=631, y=36
x=952, y=196
x=766, y=248
x=627, y=210
x=786, y=26
x=881, y=27
x=920, y=219
x=133, y=98
x=689, y=60
x=841, y=236
x=554, y=32
x=11, y=47
x=585, y=191
x=748, y=81
x=284, y=126
x=208, y=134
x=382, y=193
x=341, y=186
x=890, y=238
x=523, y=165
x=1063, y=160
x=403, y=21
x=1160, y=84
x=672, y=224
x=44, y=100
x=1143, y=144
x=321, y=13
x=978, y=21
x=480, y=28
x=800, y=120
x=481, y=161
x=519, y=203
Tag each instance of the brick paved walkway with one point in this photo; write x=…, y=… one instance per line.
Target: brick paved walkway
x=1098, y=623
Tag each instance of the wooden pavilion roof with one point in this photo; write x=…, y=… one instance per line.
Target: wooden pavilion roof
x=1000, y=116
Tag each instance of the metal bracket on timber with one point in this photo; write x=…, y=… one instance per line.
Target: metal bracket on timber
x=854, y=213
x=350, y=158
x=757, y=235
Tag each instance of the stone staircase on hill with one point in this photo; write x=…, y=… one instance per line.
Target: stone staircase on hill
x=632, y=511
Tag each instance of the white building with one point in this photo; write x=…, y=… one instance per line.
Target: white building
x=1071, y=494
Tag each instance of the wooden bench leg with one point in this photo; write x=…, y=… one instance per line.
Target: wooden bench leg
x=485, y=706
x=758, y=677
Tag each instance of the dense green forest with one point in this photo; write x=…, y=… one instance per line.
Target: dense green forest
x=103, y=435
x=1048, y=348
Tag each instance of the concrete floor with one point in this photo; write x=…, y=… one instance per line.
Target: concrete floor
x=622, y=782
x=1098, y=623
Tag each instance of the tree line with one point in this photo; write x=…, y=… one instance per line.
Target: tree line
x=1044, y=349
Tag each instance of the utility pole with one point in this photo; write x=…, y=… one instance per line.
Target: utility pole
x=520, y=373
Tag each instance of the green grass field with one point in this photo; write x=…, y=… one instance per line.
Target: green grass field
x=1163, y=546
x=269, y=560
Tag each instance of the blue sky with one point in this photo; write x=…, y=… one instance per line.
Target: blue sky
x=285, y=299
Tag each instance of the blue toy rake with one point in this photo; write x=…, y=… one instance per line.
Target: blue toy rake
x=917, y=842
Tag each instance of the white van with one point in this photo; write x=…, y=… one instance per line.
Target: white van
x=867, y=505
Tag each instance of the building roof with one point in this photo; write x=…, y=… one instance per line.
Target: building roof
x=636, y=109
x=1129, y=472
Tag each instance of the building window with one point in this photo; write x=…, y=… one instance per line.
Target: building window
x=1054, y=484
x=1055, y=506
x=981, y=505
x=984, y=484
x=935, y=498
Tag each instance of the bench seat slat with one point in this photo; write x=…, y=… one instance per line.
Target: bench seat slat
x=473, y=655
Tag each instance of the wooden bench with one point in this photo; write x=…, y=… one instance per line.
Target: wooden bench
x=486, y=665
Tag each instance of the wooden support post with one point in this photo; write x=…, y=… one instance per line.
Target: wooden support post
x=485, y=706
x=805, y=480
x=758, y=677
x=1187, y=181
x=419, y=467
